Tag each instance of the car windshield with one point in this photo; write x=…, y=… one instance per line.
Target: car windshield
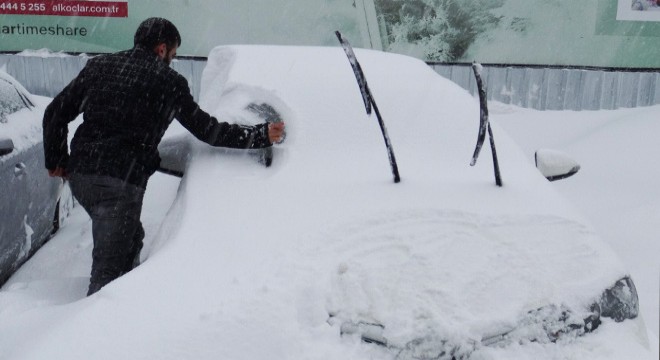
x=10, y=100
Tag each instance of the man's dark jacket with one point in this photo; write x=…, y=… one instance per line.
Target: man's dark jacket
x=128, y=100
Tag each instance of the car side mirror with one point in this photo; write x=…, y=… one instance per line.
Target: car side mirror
x=6, y=147
x=555, y=165
x=174, y=153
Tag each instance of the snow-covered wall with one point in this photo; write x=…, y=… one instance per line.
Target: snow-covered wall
x=561, y=88
x=46, y=74
x=537, y=88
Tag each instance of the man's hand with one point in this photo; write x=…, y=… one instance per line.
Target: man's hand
x=276, y=132
x=58, y=172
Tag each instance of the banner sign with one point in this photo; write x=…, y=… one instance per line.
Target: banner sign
x=79, y=26
x=591, y=33
x=64, y=8
x=638, y=10
x=598, y=33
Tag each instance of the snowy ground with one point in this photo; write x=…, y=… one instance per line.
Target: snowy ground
x=617, y=187
x=250, y=262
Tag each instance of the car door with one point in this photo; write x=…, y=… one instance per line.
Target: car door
x=43, y=194
x=21, y=193
x=14, y=204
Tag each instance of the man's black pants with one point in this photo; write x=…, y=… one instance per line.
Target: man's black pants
x=115, y=207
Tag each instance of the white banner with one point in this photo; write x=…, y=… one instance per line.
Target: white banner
x=638, y=10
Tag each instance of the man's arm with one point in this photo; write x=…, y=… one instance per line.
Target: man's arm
x=64, y=108
x=208, y=129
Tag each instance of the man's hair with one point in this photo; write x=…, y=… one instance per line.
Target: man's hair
x=155, y=31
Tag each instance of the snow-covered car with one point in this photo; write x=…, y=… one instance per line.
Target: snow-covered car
x=30, y=205
x=322, y=255
x=324, y=244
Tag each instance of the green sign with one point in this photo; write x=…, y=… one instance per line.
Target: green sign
x=108, y=26
x=603, y=33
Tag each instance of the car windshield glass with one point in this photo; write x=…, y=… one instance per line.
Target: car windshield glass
x=10, y=100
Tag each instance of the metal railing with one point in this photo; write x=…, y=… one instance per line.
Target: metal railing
x=557, y=88
x=536, y=87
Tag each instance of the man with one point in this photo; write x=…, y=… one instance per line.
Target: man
x=128, y=99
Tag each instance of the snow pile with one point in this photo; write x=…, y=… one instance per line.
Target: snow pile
x=19, y=123
x=253, y=262
x=47, y=53
x=23, y=127
x=616, y=186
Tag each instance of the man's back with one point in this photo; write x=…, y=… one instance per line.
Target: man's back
x=129, y=100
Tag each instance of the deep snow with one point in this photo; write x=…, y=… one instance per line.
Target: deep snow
x=23, y=126
x=250, y=261
x=617, y=186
